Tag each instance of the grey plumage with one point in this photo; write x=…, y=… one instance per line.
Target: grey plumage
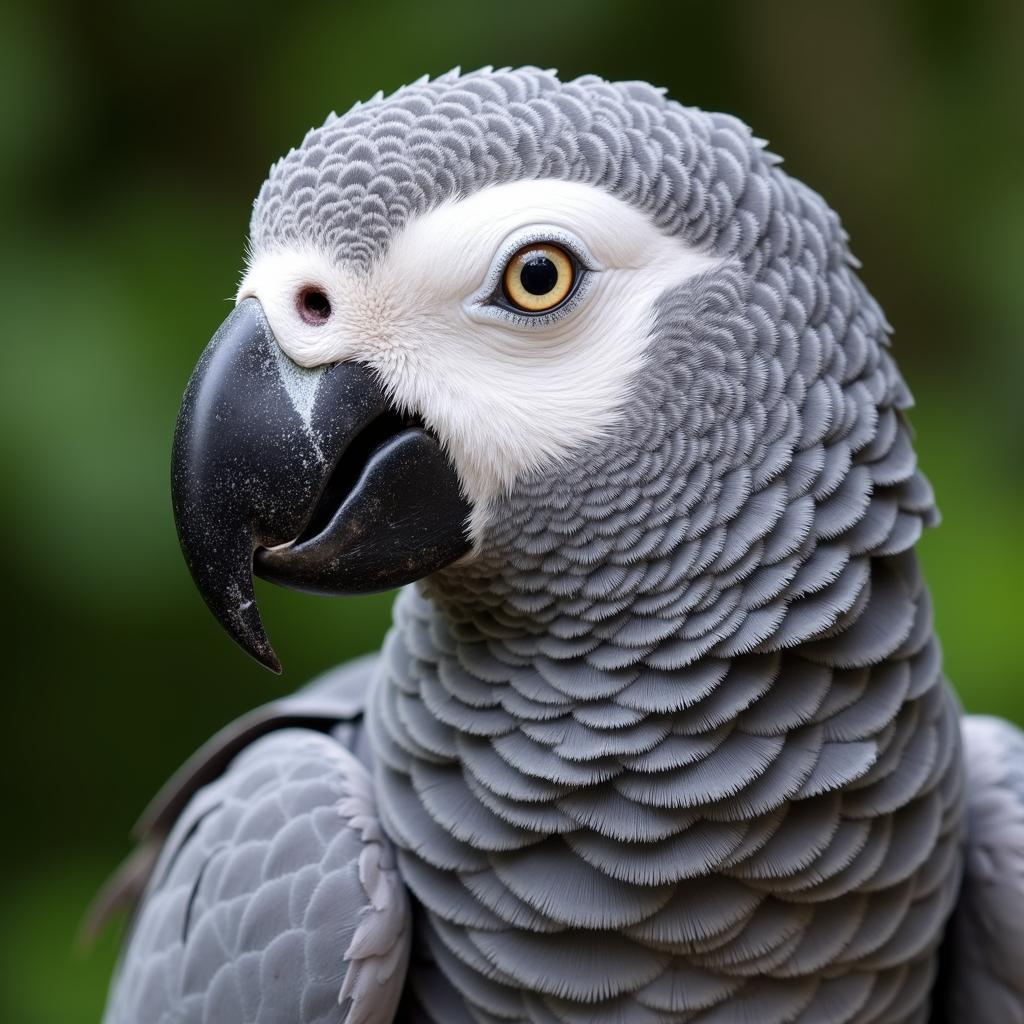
x=986, y=978
x=675, y=745
x=275, y=870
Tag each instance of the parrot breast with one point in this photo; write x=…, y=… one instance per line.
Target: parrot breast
x=639, y=844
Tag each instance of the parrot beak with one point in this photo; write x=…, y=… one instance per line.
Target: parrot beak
x=310, y=477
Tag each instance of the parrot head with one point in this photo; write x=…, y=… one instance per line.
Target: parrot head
x=547, y=339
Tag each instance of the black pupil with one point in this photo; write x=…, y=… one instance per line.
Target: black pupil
x=316, y=304
x=539, y=275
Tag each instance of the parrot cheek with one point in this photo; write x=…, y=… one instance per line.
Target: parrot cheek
x=308, y=476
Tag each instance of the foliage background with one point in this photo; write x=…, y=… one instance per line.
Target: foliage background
x=133, y=139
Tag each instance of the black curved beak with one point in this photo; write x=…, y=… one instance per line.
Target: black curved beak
x=308, y=476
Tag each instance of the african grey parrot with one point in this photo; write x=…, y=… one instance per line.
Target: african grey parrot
x=660, y=731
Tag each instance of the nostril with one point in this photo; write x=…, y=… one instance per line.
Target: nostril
x=313, y=305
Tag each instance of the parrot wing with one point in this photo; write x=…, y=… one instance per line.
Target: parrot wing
x=331, y=703
x=984, y=959
x=275, y=897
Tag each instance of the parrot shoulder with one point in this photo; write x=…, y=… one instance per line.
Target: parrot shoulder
x=263, y=862
x=985, y=970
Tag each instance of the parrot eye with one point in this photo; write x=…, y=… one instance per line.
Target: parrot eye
x=313, y=305
x=538, y=277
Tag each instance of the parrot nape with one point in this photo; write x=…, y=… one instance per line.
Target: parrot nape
x=660, y=731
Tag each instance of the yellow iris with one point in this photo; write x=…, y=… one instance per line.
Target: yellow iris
x=538, y=277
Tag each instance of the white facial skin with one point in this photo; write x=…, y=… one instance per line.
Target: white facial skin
x=504, y=393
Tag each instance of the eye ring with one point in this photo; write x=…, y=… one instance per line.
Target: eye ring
x=313, y=305
x=538, y=278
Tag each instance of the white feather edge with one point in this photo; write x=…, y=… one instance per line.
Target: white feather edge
x=378, y=953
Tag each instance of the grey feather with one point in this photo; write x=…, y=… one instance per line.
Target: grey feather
x=986, y=944
x=275, y=899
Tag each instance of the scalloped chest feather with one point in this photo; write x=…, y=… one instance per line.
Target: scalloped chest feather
x=770, y=836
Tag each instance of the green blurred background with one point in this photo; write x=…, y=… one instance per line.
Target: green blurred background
x=133, y=140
